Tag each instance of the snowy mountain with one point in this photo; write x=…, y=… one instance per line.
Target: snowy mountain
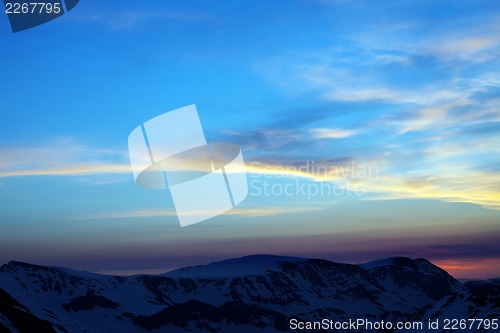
x=259, y=293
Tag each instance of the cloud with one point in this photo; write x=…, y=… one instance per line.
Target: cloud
x=127, y=214
x=468, y=39
x=70, y=170
x=439, y=121
x=319, y=171
x=476, y=187
x=278, y=139
x=419, y=168
x=333, y=133
x=405, y=62
x=239, y=211
x=61, y=158
x=466, y=48
x=425, y=117
x=457, y=185
x=368, y=83
x=379, y=183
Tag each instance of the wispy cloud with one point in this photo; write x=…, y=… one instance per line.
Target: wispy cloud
x=145, y=213
x=397, y=62
x=239, y=211
x=61, y=158
x=70, y=170
x=333, y=133
x=347, y=84
x=436, y=88
x=480, y=188
x=457, y=184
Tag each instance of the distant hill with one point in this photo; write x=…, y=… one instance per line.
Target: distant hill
x=260, y=293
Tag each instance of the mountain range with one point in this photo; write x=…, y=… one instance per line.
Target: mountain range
x=259, y=293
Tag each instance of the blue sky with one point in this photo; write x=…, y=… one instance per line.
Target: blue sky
x=410, y=89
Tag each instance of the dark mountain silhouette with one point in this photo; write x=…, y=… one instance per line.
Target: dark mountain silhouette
x=259, y=293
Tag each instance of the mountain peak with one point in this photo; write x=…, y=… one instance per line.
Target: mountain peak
x=252, y=264
x=397, y=261
x=16, y=265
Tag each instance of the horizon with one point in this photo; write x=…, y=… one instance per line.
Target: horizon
x=161, y=271
x=369, y=130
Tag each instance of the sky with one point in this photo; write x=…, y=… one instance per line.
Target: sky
x=369, y=129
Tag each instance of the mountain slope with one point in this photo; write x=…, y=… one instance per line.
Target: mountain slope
x=250, y=294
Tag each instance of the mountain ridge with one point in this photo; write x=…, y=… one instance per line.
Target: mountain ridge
x=259, y=293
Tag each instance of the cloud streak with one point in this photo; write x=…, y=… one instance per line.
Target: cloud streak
x=239, y=211
x=61, y=158
x=332, y=133
x=459, y=184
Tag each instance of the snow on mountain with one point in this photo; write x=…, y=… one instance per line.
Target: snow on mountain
x=418, y=279
x=249, y=265
x=251, y=294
